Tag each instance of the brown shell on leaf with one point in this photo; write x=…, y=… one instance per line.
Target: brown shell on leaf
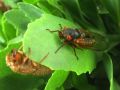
x=18, y=62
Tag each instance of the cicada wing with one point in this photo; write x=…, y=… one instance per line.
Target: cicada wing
x=101, y=42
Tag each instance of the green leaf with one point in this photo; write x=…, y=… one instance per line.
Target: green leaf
x=31, y=1
x=11, y=3
x=44, y=42
x=81, y=83
x=17, y=19
x=55, y=3
x=8, y=29
x=113, y=41
x=2, y=42
x=113, y=6
x=47, y=8
x=75, y=10
x=2, y=39
x=31, y=11
x=56, y=80
x=91, y=14
x=109, y=70
x=19, y=82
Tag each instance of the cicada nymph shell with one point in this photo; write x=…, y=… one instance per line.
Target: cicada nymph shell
x=20, y=63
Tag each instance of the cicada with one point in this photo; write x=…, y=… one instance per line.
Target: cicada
x=80, y=38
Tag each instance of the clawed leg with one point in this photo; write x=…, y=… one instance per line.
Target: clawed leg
x=27, y=57
x=72, y=47
x=44, y=58
x=59, y=47
x=56, y=30
x=53, y=31
x=75, y=53
x=61, y=28
x=20, y=48
x=25, y=60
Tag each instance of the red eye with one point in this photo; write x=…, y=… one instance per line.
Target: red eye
x=17, y=56
x=69, y=37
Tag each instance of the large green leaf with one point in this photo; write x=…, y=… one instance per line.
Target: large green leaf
x=44, y=42
x=56, y=80
x=109, y=70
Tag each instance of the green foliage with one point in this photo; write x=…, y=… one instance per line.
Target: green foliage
x=22, y=20
x=114, y=8
x=26, y=23
x=60, y=77
x=109, y=70
x=63, y=59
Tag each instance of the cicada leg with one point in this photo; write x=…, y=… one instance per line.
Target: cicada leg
x=52, y=31
x=27, y=57
x=20, y=48
x=61, y=28
x=60, y=47
x=75, y=52
x=44, y=58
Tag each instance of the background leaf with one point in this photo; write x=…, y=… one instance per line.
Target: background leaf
x=109, y=70
x=91, y=14
x=81, y=83
x=113, y=6
x=31, y=1
x=19, y=23
x=30, y=10
x=56, y=80
x=8, y=29
x=11, y=3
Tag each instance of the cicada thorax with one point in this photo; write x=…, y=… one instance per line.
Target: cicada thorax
x=69, y=34
x=20, y=63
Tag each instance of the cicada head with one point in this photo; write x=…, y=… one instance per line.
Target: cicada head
x=14, y=58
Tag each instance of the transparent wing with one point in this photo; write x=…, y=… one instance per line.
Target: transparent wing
x=101, y=42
